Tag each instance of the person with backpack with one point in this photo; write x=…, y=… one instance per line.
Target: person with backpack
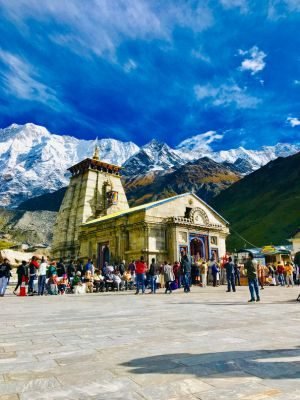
x=230, y=275
x=21, y=273
x=153, y=271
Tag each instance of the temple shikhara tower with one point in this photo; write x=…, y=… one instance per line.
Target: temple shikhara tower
x=95, y=221
x=95, y=190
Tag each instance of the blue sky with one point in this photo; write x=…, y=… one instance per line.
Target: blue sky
x=137, y=70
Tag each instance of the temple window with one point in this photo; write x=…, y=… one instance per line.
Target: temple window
x=188, y=211
x=214, y=240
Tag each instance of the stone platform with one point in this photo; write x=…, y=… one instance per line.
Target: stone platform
x=207, y=345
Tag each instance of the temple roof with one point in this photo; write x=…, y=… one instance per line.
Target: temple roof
x=148, y=206
x=91, y=163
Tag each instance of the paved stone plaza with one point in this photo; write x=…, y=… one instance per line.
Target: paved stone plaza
x=207, y=345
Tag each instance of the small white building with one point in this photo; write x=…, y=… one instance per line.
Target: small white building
x=295, y=240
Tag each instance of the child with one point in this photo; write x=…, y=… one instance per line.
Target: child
x=63, y=284
x=52, y=283
x=88, y=279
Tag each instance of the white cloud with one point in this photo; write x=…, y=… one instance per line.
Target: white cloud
x=293, y=121
x=226, y=95
x=200, y=142
x=254, y=61
x=130, y=65
x=99, y=27
x=200, y=55
x=21, y=80
x=282, y=8
x=242, y=4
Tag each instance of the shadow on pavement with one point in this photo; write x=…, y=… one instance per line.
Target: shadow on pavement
x=265, y=364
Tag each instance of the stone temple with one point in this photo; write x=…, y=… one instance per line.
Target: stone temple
x=95, y=221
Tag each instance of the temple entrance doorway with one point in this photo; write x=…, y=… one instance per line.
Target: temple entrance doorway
x=199, y=247
x=103, y=254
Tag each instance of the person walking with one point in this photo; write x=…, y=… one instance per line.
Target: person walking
x=140, y=269
x=21, y=273
x=251, y=268
x=280, y=273
x=153, y=270
x=42, y=271
x=230, y=276
x=33, y=267
x=5, y=269
x=186, y=269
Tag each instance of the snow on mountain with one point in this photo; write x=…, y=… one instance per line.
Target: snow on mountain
x=199, y=146
x=154, y=156
x=34, y=161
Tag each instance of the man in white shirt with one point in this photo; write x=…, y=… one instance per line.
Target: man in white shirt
x=42, y=271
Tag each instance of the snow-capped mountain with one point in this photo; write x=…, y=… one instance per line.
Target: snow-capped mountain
x=33, y=161
x=154, y=156
x=191, y=150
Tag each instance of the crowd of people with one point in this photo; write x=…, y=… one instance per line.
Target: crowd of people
x=57, y=278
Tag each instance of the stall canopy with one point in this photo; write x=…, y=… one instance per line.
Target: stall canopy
x=256, y=251
x=273, y=250
x=257, y=254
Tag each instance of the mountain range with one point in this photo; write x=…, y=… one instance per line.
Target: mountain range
x=34, y=161
x=263, y=207
x=204, y=177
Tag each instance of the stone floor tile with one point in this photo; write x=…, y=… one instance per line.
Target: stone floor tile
x=205, y=345
x=9, y=397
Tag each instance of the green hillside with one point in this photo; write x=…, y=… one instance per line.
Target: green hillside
x=264, y=207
